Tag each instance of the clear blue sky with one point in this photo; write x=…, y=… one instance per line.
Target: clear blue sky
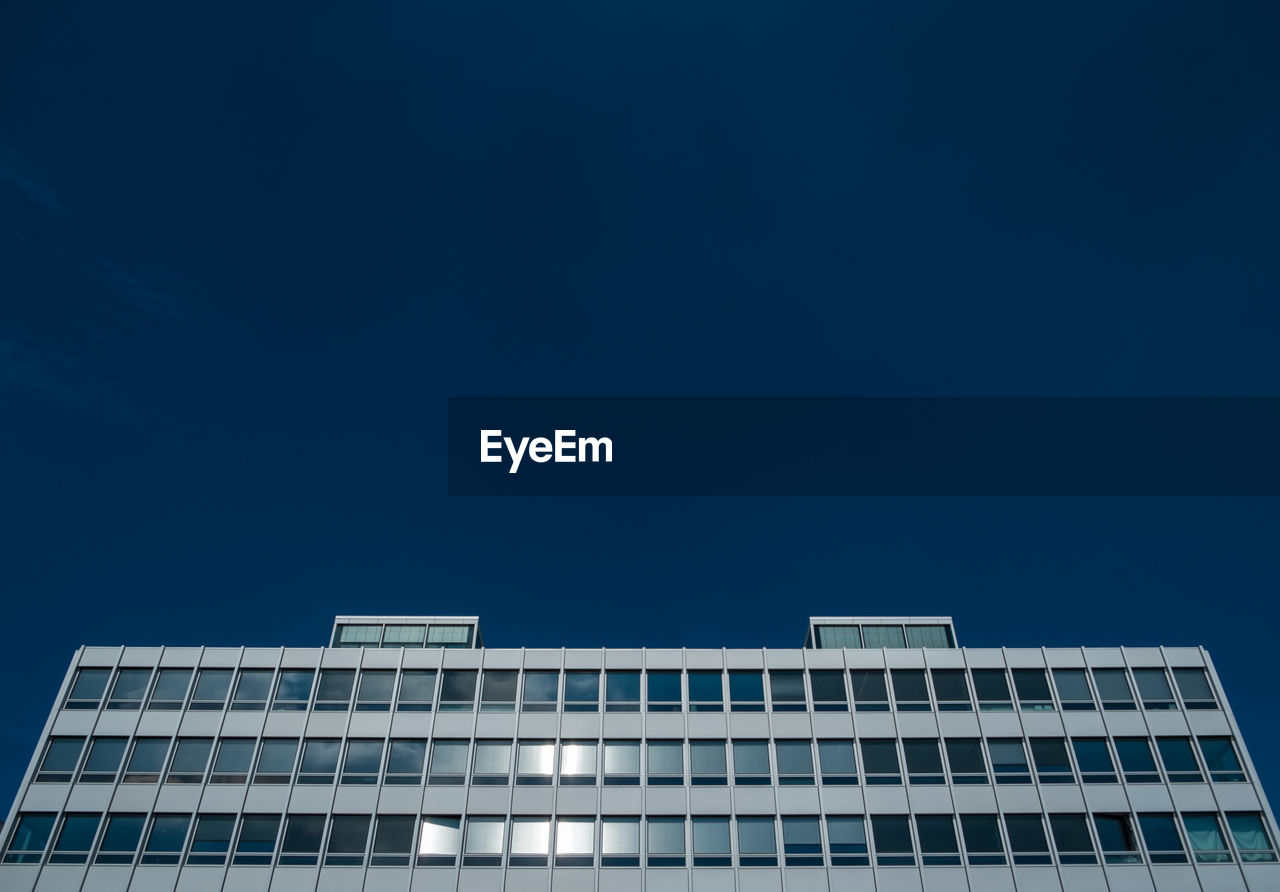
x=247, y=251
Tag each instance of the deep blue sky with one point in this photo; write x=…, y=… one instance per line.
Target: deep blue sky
x=246, y=253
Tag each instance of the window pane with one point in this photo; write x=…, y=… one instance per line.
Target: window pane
x=620, y=836
x=484, y=836
x=981, y=834
x=756, y=836
x=892, y=834
x=928, y=636
x=393, y=840
x=440, y=836
x=1153, y=685
x=622, y=757
x=449, y=636
x=883, y=636
x=376, y=686
x=1194, y=685
x=909, y=686
x=1071, y=833
x=170, y=689
x=1161, y=835
x=581, y=687
x=575, y=836
x=1026, y=833
x=666, y=836
x=499, y=686
x=493, y=757
x=828, y=686
x=335, y=686
x=130, y=688
x=1113, y=686
x=417, y=687
x=711, y=836
x=622, y=687
x=294, y=686
x=449, y=757
x=1205, y=836
x=937, y=835
x=578, y=758
x=404, y=636
x=746, y=687
x=211, y=688
x=869, y=686
x=839, y=636
x=836, y=757
x=1250, y=836
x=535, y=758
x=303, y=834
x=991, y=685
x=664, y=687
x=122, y=835
x=706, y=687
x=348, y=835
x=277, y=756
x=458, y=686
x=1073, y=687
x=951, y=685
x=257, y=836
x=168, y=833
x=786, y=686
x=530, y=836
x=751, y=757
x=707, y=757
x=541, y=687
x=1032, y=685
x=407, y=757
x=666, y=757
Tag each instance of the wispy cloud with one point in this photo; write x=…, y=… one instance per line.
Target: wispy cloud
x=35, y=184
x=49, y=375
x=142, y=295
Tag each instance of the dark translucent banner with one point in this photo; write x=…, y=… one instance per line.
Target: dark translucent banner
x=863, y=446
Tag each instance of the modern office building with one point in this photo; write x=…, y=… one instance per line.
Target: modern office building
x=408, y=757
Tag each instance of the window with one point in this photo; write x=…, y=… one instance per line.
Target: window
x=377, y=687
x=1179, y=760
x=910, y=690
x=1009, y=760
x=870, y=692
x=1115, y=835
x=837, y=762
x=170, y=691
x=439, y=840
x=449, y=636
x=711, y=842
x=786, y=690
x=938, y=845
x=392, y=841
x=319, y=761
x=87, y=689
x=535, y=762
x=417, y=690
x=146, y=762
x=302, y=837
x=992, y=688
x=1027, y=840
x=1113, y=689
x=746, y=691
x=829, y=694
x=448, y=763
x=61, y=757
x=622, y=691
x=293, y=690
x=664, y=691
x=578, y=762
x=1205, y=835
x=964, y=758
x=666, y=762
x=103, y=763
x=530, y=842
x=883, y=636
x=130, y=689
x=706, y=692
x=405, y=760
x=880, y=762
x=751, y=762
x=211, y=690
x=952, y=689
x=795, y=762
x=621, y=763
x=1032, y=686
x=1249, y=833
x=619, y=842
x=839, y=636
x=1153, y=688
x=1094, y=760
x=707, y=763
x=498, y=693
x=1221, y=759
x=404, y=636
x=75, y=838
x=757, y=842
x=120, y=840
x=358, y=636
x=212, y=839
x=924, y=761
x=257, y=841
x=253, y=690
x=1073, y=689
x=364, y=759
x=1136, y=761
x=666, y=842
x=234, y=759
x=581, y=691
x=348, y=837
x=540, y=691
x=334, y=692
x=1160, y=833
x=847, y=839
x=30, y=838
x=166, y=839
x=1072, y=840
x=575, y=842
x=275, y=761
x=1194, y=686
x=458, y=690
x=982, y=840
x=492, y=763
x=1053, y=766
x=928, y=636
x=892, y=834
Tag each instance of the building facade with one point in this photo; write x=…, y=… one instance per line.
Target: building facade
x=408, y=757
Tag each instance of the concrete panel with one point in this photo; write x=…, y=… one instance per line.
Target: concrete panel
x=759, y=880
x=664, y=725
x=792, y=725
x=266, y=798
x=1036, y=879
x=918, y=724
x=932, y=800
x=434, y=879
x=1020, y=798
x=153, y=878
x=806, y=879
x=248, y=879
x=200, y=879
x=620, y=801
x=874, y=724
x=704, y=659
x=899, y=879
x=1193, y=797
x=748, y=725
x=51, y=797
x=498, y=726
x=797, y=800
x=486, y=801
x=707, y=725
x=710, y=800
x=622, y=725
x=1129, y=878
x=984, y=657
x=301, y=657
x=754, y=801
x=452, y=724
x=991, y=879
x=573, y=879
x=739, y=658
x=578, y=800
x=140, y=656
x=1000, y=724
x=526, y=879
x=664, y=658
x=333, y=724
x=842, y=800
x=311, y=800
x=583, y=659
x=223, y=798
x=532, y=800
x=426, y=658
x=109, y=878
x=666, y=801
x=180, y=656
x=355, y=800
x=832, y=724
x=1227, y=878
x=178, y=797
x=294, y=879
x=371, y=724
x=663, y=879
x=885, y=800
x=580, y=725
x=384, y=879
x=977, y=798
x=944, y=879
x=339, y=879
x=712, y=879
x=1181, y=878
x=619, y=880
x=60, y=877
x=502, y=659
x=623, y=658
x=1082, y=878
x=784, y=659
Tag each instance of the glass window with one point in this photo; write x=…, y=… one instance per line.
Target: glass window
x=405, y=761
x=786, y=689
x=1073, y=689
x=535, y=762
x=964, y=758
x=334, y=692
x=377, y=687
x=1153, y=688
x=275, y=762
x=619, y=842
x=319, y=761
x=575, y=842
x=392, y=841
x=493, y=763
x=1249, y=833
x=622, y=691
x=757, y=842
x=829, y=693
x=883, y=636
x=1053, y=765
x=578, y=762
x=253, y=690
x=1115, y=835
x=664, y=691
x=847, y=838
x=1072, y=840
x=870, y=691
x=751, y=762
x=928, y=636
x=938, y=846
x=1094, y=760
x=293, y=690
x=707, y=762
x=924, y=761
x=910, y=690
x=621, y=762
x=1221, y=759
x=1008, y=760
x=130, y=688
x=190, y=759
x=449, y=636
x=1032, y=686
x=364, y=759
x=166, y=839
x=1179, y=760
x=448, y=762
x=438, y=842
x=482, y=846
x=302, y=837
x=1027, y=840
x=541, y=690
x=257, y=841
x=992, y=689
x=146, y=762
x=30, y=838
x=746, y=691
x=457, y=690
x=212, y=839
x=1194, y=686
x=358, y=636
x=952, y=689
x=880, y=761
x=666, y=842
x=61, y=757
x=498, y=692
x=711, y=842
x=839, y=636
x=417, y=690
x=530, y=842
x=404, y=636
x=1160, y=833
x=581, y=691
x=1136, y=761
x=234, y=759
x=706, y=691
x=170, y=691
x=836, y=759
x=795, y=762
x=75, y=838
x=1113, y=689
x=88, y=688
x=120, y=840
x=666, y=762
x=211, y=690
x=348, y=836
x=982, y=840
x=892, y=834
x=1205, y=835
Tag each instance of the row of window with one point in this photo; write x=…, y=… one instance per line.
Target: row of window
x=883, y=761
x=877, y=635
x=501, y=690
x=712, y=841
x=398, y=635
